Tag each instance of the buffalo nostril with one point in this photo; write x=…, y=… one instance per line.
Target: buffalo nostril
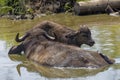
x=92, y=42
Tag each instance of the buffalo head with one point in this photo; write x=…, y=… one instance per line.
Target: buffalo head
x=16, y=49
x=82, y=36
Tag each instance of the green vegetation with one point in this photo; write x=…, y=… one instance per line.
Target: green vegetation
x=5, y=9
x=18, y=7
x=12, y=6
x=2, y=2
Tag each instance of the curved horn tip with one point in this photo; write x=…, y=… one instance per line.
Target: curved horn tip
x=22, y=38
x=49, y=37
x=17, y=34
x=17, y=38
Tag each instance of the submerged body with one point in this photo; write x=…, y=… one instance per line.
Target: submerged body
x=60, y=55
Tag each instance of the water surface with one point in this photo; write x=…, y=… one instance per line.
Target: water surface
x=105, y=31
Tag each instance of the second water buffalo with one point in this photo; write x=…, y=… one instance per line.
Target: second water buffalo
x=62, y=34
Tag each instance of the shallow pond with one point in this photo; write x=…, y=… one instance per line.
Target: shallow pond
x=105, y=31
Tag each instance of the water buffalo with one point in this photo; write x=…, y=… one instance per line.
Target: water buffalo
x=50, y=53
x=62, y=34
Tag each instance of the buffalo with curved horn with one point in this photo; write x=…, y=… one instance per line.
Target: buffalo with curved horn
x=63, y=34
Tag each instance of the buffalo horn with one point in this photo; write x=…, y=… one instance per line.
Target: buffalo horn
x=21, y=39
x=49, y=37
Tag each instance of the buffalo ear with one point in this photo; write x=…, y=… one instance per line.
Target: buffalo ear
x=49, y=37
x=72, y=35
x=83, y=28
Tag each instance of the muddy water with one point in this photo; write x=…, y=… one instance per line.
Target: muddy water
x=105, y=31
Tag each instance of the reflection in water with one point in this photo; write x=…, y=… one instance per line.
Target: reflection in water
x=56, y=72
x=17, y=67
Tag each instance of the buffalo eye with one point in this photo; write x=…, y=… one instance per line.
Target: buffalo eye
x=84, y=35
